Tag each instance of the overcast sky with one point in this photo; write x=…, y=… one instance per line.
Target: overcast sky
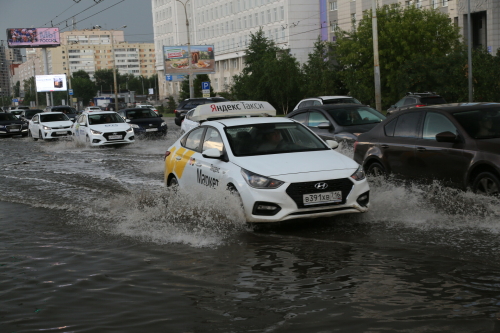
x=135, y=14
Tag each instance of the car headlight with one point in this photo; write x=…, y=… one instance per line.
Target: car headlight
x=95, y=132
x=130, y=129
x=359, y=174
x=258, y=181
x=134, y=126
x=46, y=128
x=163, y=124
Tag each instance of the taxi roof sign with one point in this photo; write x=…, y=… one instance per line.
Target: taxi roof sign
x=233, y=109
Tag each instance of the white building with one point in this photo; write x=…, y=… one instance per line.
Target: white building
x=227, y=24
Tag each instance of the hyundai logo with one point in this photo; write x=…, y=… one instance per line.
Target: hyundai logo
x=321, y=186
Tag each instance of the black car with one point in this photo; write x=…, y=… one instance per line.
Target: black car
x=67, y=110
x=112, y=106
x=340, y=122
x=10, y=125
x=144, y=121
x=26, y=115
x=455, y=144
x=416, y=100
x=191, y=103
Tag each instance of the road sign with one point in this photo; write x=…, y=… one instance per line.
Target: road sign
x=205, y=91
x=205, y=85
x=174, y=78
x=206, y=95
x=15, y=100
x=70, y=92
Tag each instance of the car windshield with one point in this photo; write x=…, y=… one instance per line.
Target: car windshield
x=7, y=116
x=349, y=100
x=47, y=118
x=104, y=118
x=351, y=116
x=193, y=104
x=279, y=138
x=141, y=114
x=480, y=124
x=432, y=100
x=64, y=110
x=31, y=113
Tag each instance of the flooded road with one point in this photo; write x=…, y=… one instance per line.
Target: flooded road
x=91, y=241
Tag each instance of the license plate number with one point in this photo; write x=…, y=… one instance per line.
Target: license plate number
x=319, y=198
x=151, y=129
x=14, y=130
x=61, y=132
x=115, y=137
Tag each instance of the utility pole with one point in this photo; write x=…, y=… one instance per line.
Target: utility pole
x=469, y=51
x=114, y=66
x=376, y=65
x=190, y=70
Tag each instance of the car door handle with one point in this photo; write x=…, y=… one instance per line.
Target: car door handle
x=421, y=149
x=178, y=158
x=384, y=146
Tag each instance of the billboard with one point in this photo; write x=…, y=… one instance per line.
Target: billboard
x=46, y=83
x=176, y=59
x=33, y=37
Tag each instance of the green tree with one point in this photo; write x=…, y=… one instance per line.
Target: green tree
x=199, y=78
x=405, y=34
x=84, y=89
x=81, y=73
x=104, y=79
x=322, y=72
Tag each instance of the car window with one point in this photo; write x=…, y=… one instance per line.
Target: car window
x=480, y=124
x=53, y=117
x=212, y=140
x=189, y=114
x=194, y=138
x=435, y=123
x=316, y=118
x=407, y=125
x=301, y=118
x=305, y=104
x=317, y=103
x=141, y=114
x=410, y=101
x=389, y=127
x=7, y=116
x=341, y=101
x=355, y=115
x=193, y=104
x=104, y=118
x=400, y=103
x=432, y=100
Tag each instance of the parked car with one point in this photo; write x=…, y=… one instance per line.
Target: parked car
x=456, y=144
x=416, y=100
x=340, y=122
x=67, y=110
x=49, y=125
x=147, y=106
x=17, y=113
x=26, y=115
x=323, y=100
x=190, y=103
x=10, y=125
x=144, y=121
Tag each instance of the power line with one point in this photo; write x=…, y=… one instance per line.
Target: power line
x=59, y=14
x=95, y=13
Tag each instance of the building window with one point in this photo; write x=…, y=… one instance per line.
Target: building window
x=444, y=3
x=333, y=5
x=333, y=27
x=419, y=3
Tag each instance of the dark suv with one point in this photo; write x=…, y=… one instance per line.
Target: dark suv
x=415, y=100
x=190, y=103
x=67, y=110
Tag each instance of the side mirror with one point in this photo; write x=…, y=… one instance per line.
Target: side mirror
x=332, y=144
x=211, y=153
x=446, y=137
x=325, y=125
x=127, y=120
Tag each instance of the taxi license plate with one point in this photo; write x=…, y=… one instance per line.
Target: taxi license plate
x=14, y=130
x=319, y=198
x=151, y=129
x=61, y=132
x=115, y=137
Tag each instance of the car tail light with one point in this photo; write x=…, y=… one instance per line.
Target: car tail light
x=166, y=154
x=355, y=145
x=419, y=105
x=175, y=111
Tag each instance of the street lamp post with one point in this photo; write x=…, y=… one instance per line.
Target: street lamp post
x=142, y=79
x=114, y=67
x=376, y=65
x=469, y=51
x=190, y=71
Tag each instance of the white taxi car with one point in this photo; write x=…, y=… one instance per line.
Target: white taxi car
x=92, y=108
x=102, y=129
x=280, y=169
x=49, y=125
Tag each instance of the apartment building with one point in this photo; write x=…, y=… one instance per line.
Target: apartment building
x=484, y=17
x=227, y=24
x=91, y=50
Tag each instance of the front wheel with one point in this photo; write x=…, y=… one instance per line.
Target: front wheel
x=40, y=135
x=173, y=182
x=486, y=183
x=376, y=169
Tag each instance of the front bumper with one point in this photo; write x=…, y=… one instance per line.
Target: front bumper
x=287, y=200
x=12, y=130
x=111, y=138
x=150, y=131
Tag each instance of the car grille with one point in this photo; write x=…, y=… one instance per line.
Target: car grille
x=297, y=190
x=14, y=127
x=106, y=135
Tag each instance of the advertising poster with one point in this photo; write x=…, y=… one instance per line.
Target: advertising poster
x=176, y=59
x=46, y=83
x=32, y=37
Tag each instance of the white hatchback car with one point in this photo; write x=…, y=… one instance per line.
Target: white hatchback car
x=280, y=169
x=188, y=124
x=102, y=129
x=49, y=125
